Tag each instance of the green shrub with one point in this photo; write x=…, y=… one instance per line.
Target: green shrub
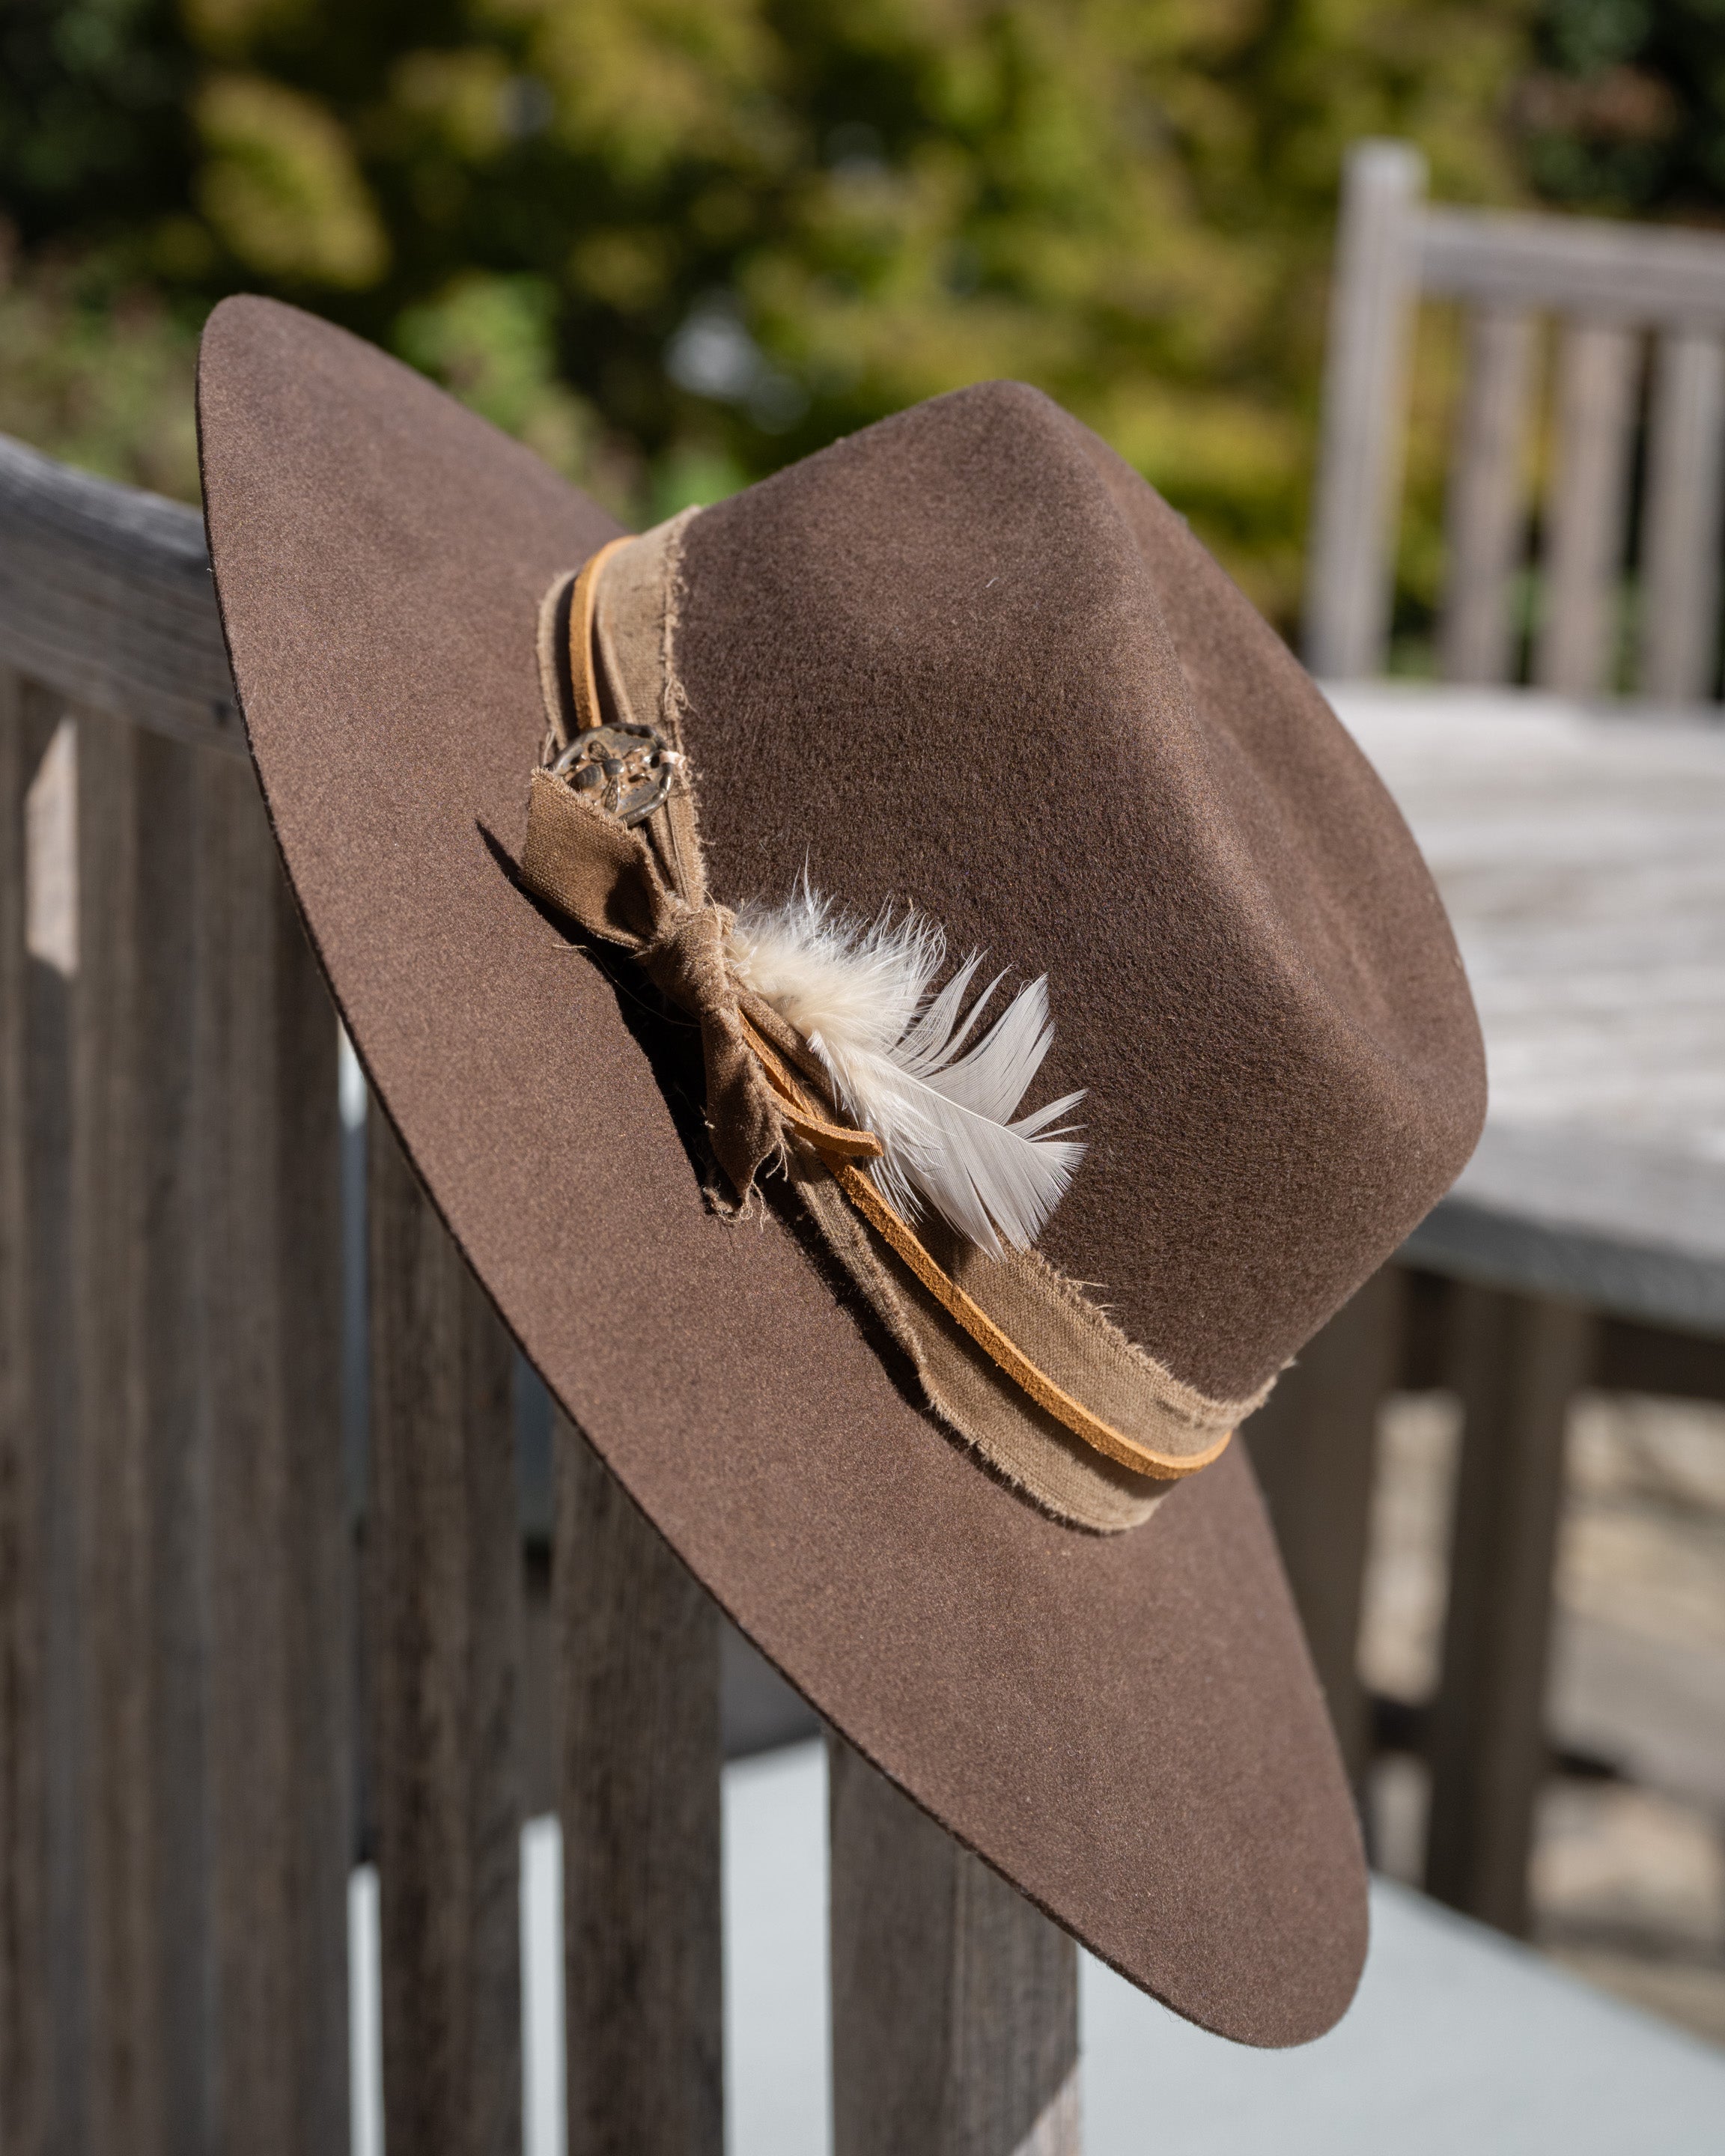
x=674, y=242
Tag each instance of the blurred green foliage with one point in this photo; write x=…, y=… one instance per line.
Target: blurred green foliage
x=101, y=378
x=674, y=242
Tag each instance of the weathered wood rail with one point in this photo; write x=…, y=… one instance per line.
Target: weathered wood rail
x=218, y=1686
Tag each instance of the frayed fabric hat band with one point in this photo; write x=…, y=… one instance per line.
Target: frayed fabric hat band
x=643, y=890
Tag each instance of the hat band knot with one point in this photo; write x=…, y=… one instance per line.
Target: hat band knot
x=686, y=961
x=603, y=875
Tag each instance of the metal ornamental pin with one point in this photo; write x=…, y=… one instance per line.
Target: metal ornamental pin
x=626, y=770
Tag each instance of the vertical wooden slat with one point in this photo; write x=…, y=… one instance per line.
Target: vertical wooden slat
x=55, y=2106
x=127, y=2018
x=955, y=2004
x=1685, y=485
x=637, y=1645
x=1485, y=517
x=166, y=1659
x=21, y=2035
x=315, y=1524
x=1347, y=595
x=1312, y=1444
x=278, y=1720
x=1576, y=649
x=25, y=2022
x=444, y=1554
x=142, y=1529
x=193, y=1980
x=1519, y=1361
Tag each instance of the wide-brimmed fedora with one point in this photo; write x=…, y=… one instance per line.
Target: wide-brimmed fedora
x=648, y=878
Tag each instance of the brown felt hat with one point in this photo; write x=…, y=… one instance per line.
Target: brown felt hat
x=966, y=662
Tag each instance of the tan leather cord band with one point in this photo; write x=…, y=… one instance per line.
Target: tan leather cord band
x=583, y=668
x=1072, y=1415
x=839, y=1151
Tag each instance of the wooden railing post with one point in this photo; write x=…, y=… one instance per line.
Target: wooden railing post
x=175, y=1957
x=136, y=2010
x=955, y=2004
x=278, y=1564
x=443, y=1556
x=638, y=1645
x=33, y=1155
x=173, y=1665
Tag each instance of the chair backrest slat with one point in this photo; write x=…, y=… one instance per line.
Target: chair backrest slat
x=22, y=2018
x=1487, y=518
x=1597, y=377
x=178, y=1599
x=141, y=2021
x=1680, y=608
x=36, y=2033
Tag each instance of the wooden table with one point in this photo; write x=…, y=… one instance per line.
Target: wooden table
x=1581, y=852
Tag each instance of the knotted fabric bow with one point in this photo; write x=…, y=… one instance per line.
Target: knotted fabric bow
x=649, y=899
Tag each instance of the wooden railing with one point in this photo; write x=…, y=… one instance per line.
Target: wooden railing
x=177, y=1755
x=222, y=1680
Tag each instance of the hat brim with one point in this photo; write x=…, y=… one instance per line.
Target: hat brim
x=1128, y=1727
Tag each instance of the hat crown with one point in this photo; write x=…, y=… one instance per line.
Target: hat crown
x=968, y=661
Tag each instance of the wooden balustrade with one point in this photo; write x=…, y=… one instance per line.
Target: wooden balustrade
x=186, y=1776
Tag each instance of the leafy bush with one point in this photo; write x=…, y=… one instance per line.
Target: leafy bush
x=674, y=242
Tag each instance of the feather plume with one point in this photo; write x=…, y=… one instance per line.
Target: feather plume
x=911, y=1066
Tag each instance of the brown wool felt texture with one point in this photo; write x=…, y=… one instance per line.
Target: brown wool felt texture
x=965, y=659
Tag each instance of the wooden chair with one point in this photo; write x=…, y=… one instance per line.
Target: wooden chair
x=229, y=1666
x=1634, y=307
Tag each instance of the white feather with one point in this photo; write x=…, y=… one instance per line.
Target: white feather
x=898, y=1059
